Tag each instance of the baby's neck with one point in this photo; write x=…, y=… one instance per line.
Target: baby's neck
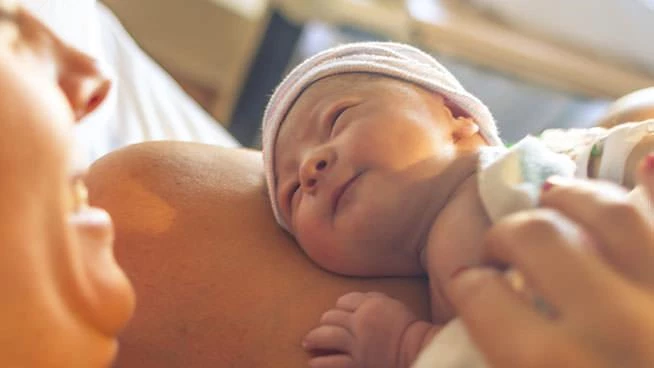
x=443, y=190
x=455, y=240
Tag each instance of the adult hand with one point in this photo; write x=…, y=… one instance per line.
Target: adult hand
x=590, y=254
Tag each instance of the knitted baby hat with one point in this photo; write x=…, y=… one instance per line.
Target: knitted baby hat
x=391, y=59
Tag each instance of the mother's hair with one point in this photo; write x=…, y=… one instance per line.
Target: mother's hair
x=217, y=282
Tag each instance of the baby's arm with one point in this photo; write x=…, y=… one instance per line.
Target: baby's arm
x=368, y=330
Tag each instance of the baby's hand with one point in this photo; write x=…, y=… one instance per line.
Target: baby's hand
x=363, y=330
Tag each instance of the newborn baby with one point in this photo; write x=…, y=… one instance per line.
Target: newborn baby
x=380, y=163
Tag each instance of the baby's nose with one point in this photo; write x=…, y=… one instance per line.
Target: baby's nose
x=313, y=171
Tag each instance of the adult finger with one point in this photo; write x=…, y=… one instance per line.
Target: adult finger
x=622, y=233
x=545, y=247
x=486, y=303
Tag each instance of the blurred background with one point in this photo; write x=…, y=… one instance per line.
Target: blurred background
x=536, y=63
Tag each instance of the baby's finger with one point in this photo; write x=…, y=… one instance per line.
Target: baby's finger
x=336, y=317
x=622, y=233
x=376, y=294
x=332, y=361
x=486, y=303
x=328, y=338
x=351, y=301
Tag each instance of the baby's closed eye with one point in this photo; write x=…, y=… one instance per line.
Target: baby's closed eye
x=338, y=123
x=334, y=121
x=292, y=192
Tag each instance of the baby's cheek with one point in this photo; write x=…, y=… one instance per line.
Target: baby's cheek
x=310, y=235
x=323, y=254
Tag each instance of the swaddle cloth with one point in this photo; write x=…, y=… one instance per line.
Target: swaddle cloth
x=395, y=60
x=511, y=180
x=451, y=348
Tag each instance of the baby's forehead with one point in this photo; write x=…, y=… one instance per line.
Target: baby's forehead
x=332, y=87
x=310, y=101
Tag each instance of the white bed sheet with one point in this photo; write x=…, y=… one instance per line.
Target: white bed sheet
x=145, y=103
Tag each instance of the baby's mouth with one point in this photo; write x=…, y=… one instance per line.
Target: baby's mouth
x=339, y=192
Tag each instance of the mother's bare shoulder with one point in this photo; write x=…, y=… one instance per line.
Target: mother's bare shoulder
x=218, y=283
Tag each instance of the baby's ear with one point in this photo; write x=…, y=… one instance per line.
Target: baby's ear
x=464, y=127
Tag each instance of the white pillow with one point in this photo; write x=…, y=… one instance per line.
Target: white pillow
x=76, y=24
x=145, y=103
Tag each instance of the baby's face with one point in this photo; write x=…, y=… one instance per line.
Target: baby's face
x=64, y=296
x=352, y=159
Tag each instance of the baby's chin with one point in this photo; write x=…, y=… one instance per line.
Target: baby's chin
x=358, y=258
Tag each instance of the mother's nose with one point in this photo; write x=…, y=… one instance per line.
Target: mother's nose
x=82, y=81
x=314, y=169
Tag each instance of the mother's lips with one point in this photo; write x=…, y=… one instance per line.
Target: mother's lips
x=340, y=191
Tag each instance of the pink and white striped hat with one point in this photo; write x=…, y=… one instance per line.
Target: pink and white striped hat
x=391, y=59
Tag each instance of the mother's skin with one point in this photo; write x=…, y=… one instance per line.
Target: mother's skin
x=218, y=284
